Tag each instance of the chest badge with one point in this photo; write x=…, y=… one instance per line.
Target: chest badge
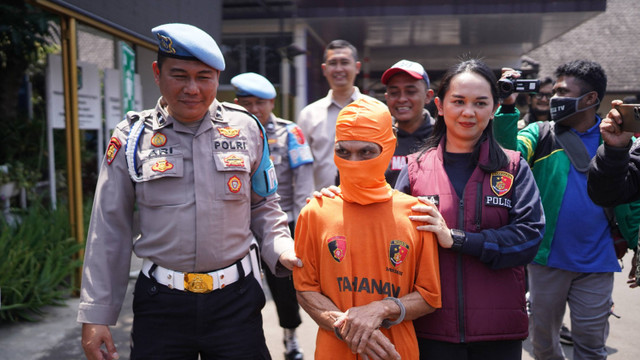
x=337, y=247
x=229, y=132
x=501, y=182
x=158, y=139
x=234, y=184
x=233, y=160
x=112, y=149
x=398, y=251
x=162, y=166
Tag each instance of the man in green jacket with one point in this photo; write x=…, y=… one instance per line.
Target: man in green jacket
x=577, y=258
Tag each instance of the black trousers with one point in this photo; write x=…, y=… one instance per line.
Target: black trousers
x=174, y=324
x=482, y=350
x=284, y=296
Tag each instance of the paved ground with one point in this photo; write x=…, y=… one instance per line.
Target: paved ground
x=57, y=335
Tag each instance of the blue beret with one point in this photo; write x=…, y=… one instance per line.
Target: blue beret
x=252, y=84
x=187, y=41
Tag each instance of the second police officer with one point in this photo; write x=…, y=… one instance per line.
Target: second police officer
x=293, y=162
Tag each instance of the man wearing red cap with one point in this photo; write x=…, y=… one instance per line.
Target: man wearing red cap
x=368, y=271
x=407, y=94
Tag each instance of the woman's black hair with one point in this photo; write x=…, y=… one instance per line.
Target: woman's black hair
x=497, y=157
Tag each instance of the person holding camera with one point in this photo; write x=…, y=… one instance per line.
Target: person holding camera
x=577, y=257
x=538, y=104
x=614, y=174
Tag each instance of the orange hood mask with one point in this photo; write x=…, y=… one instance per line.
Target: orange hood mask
x=368, y=120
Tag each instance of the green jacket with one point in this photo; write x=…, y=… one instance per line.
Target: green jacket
x=539, y=148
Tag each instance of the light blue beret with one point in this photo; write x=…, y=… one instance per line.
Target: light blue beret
x=187, y=41
x=252, y=84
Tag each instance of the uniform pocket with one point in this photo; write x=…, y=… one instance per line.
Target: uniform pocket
x=162, y=181
x=234, y=169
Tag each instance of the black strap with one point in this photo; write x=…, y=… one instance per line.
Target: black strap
x=573, y=147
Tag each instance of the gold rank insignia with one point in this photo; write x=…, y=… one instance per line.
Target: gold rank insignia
x=112, y=149
x=166, y=44
x=233, y=160
x=158, y=140
x=162, y=166
x=234, y=184
x=229, y=132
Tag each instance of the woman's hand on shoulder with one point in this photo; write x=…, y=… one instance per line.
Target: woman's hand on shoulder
x=432, y=222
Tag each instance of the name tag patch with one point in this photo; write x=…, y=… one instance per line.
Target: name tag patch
x=230, y=145
x=497, y=201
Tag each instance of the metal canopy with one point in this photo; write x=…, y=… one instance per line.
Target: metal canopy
x=433, y=32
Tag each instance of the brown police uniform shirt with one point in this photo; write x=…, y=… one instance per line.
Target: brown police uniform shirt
x=195, y=203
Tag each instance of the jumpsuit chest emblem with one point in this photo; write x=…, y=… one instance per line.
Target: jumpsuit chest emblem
x=501, y=182
x=234, y=184
x=158, y=140
x=162, y=166
x=229, y=132
x=112, y=149
x=233, y=160
x=398, y=251
x=337, y=247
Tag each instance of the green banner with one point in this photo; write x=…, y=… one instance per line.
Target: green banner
x=128, y=71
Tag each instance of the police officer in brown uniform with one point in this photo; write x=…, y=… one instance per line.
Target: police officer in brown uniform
x=293, y=162
x=199, y=173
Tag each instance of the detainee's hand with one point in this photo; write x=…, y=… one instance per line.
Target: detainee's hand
x=358, y=323
x=93, y=336
x=289, y=259
x=433, y=222
x=611, y=128
x=329, y=192
x=379, y=347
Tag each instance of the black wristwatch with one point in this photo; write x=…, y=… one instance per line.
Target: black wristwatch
x=459, y=237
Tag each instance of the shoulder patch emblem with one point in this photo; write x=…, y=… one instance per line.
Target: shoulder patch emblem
x=299, y=135
x=229, y=132
x=112, y=149
x=337, y=247
x=233, y=160
x=158, y=139
x=398, y=251
x=162, y=166
x=234, y=184
x=501, y=182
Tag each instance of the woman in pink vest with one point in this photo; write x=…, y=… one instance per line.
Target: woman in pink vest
x=488, y=220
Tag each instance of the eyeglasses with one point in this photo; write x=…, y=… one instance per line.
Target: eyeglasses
x=541, y=95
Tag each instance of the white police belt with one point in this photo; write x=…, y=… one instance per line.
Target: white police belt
x=197, y=282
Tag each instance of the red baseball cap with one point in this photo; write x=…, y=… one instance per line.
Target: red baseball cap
x=412, y=68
